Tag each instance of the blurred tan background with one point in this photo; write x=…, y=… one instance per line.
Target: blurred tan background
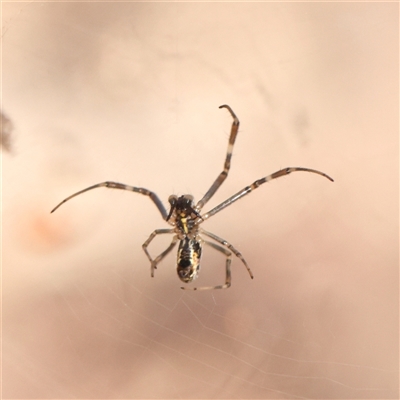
x=130, y=92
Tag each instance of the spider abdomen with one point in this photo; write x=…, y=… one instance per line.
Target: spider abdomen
x=188, y=263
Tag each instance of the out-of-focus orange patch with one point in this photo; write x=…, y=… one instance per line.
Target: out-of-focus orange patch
x=40, y=233
x=239, y=322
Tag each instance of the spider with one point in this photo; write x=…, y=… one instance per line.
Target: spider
x=185, y=218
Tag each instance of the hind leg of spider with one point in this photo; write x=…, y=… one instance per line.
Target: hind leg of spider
x=116, y=185
x=230, y=247
x=164, y=253
x=227, y=269
x=222, y=176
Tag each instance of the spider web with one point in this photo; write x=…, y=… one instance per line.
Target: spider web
x=129, y=92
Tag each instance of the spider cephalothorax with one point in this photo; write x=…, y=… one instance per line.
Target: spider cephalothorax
x=185, y=218
x=183, y=215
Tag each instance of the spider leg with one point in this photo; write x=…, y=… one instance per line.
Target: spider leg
x=230, y=247
x=116, y=185
x=227, y=266
x=164, y=253
x=222, y=176
x=255, y=185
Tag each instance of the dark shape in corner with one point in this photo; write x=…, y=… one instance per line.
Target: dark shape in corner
x=6, y=128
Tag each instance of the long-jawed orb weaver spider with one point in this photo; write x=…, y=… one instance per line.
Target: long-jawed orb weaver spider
x=185, y=217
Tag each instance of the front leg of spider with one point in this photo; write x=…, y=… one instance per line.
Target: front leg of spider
x=185, y=218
